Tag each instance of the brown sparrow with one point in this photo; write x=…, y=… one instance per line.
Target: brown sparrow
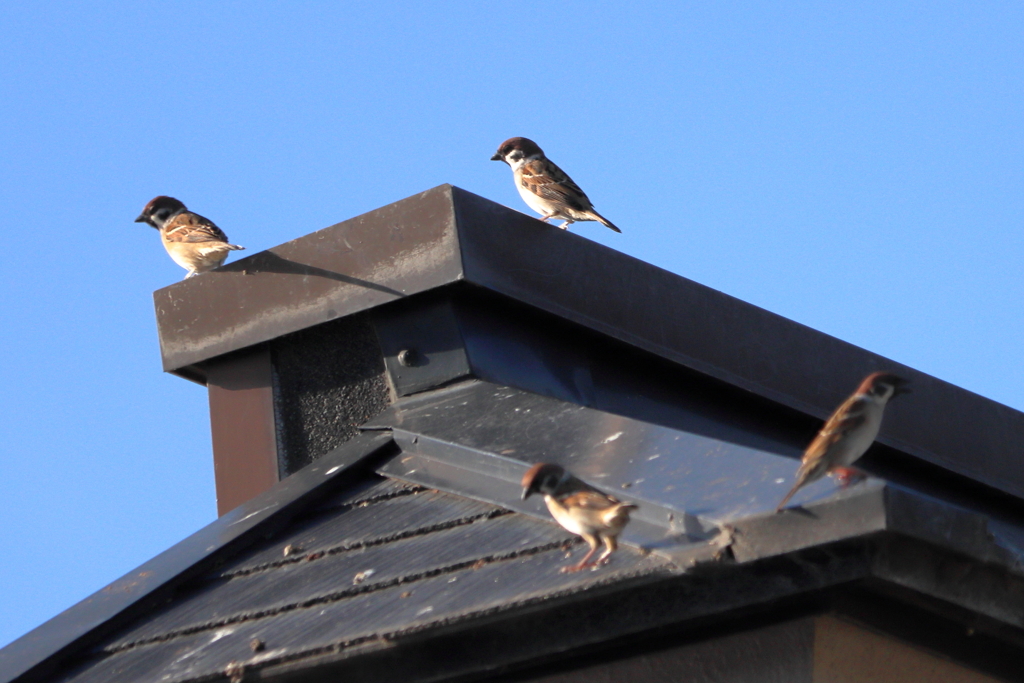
x=544, y=187
x=579, y=509
x=194, y=242
x=849, y=432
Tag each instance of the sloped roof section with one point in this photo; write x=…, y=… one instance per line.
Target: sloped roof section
x=371, y=563
x=390, y=546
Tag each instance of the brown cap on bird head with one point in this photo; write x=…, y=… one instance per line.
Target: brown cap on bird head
x=168, y=205
x=878, y=380
x=525, y=145
x=540, y=474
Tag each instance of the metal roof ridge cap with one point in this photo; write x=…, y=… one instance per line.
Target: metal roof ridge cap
x=443, y=186
x=193, y=334
x=56, y=635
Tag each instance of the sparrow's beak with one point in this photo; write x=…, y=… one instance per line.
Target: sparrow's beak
x=497, y=157
x=527, y=493
x=141, y=218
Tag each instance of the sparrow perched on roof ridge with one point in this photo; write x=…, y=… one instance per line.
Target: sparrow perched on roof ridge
x=193, y=242
x=849, y=432
x=544, y=187
x=579, y=509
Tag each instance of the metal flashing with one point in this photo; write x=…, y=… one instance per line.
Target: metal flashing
x=421, y=344
x=698, y=495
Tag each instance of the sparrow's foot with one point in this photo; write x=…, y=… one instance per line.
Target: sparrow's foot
x=572, y=569
x=565, y=225
x=847, y=475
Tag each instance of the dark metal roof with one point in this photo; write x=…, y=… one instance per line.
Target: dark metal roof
x=370, y=567
x=439, y=543
x=448, y=237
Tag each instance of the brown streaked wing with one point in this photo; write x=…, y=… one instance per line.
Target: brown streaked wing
x=546, y=180
x=191, y=227
x=589, y=500
x=847, y=417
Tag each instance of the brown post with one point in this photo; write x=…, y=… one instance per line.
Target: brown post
x=242, y=425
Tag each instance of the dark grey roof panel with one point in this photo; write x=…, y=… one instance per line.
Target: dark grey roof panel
x=333, y=576
x=495, y=584
x=386, y=520
x=373, y=489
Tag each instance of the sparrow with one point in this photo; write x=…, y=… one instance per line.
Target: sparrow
x=544, y=187
x=579, y=509
x=849, y=432
x=193, y=242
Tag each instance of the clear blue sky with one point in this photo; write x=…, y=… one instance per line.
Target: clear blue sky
x=855, y=166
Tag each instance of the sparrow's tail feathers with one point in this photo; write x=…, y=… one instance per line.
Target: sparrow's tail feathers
x=809, y=471
x=803, y=476
x=620, y=513
x=792, y=491
x=604, y=221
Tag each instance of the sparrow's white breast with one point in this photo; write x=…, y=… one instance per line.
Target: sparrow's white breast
x=859, y=440
x=562, y=516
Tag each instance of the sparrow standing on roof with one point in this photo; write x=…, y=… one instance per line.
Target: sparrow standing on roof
x=579, y=509
x=544, y=187
x=194, y=242
x=849, y=432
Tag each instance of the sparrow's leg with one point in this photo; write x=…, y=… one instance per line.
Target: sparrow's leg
x=191, y=273
x=610, y=546
x=546, y=218
x=593, y=543
x=847, y=475
x=565, y=225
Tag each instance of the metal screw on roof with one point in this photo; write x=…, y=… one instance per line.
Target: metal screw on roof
x=407, y=357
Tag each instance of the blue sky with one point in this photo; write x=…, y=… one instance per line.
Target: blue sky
x=856, y=167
